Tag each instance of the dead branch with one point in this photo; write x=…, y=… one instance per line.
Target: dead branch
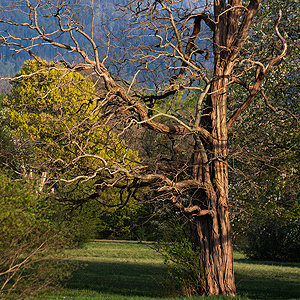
x=261, y=75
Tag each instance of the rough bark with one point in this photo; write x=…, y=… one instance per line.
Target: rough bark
x=213, y=231
x=209, y=162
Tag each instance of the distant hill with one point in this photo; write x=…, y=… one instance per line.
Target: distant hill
x=104, y=11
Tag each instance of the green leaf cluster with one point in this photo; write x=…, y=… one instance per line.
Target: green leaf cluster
x=55, y=113
x=44, y=99
x=274, y=233
x=29, y=237
x=182, y=259
x=264, y=143
x=55, y=122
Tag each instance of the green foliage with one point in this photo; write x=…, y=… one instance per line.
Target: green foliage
x=53, y=118
x=264, y=143
x=274, y=232
x=7, y=147
x=182, y=259
x=56, y=112
x=28, y=238
x=265, y=173
x=43, y=100
x=78, y=225
x=119, y=223
x=117, y=219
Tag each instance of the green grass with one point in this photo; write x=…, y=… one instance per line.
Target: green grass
x=267, y=280
x=129, y=270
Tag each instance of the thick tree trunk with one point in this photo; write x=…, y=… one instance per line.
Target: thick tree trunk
x=213, y=235
x=209, y=163
x=213, y=232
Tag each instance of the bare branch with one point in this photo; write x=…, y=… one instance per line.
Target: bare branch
x=283, y=41
x=261, y=75
x=195, y=209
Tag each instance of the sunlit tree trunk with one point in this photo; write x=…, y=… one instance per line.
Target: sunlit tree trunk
x=210, y=158
x=210, y=166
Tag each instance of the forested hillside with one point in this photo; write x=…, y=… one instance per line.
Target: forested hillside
x=106, y=22
x=104, y=13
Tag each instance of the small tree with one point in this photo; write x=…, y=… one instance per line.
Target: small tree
x=49, y=113
x=28, y=239
x=53, y=113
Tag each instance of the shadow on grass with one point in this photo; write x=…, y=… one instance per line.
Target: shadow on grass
x=267, y=263
x=121, y=278
x=146, y=280
x=266, y=283
x=273, y=289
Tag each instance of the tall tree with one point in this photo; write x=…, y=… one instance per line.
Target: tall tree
x=167, y=52
x=43, y=115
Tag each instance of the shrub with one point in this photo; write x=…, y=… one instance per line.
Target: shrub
x=182, y=259
x=274, y=234
x=28, y=240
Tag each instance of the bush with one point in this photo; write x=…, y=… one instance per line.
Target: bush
x=274, y=234
x=28, y=240
x=182, y=258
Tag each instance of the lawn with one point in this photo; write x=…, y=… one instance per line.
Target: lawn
x=111, y=270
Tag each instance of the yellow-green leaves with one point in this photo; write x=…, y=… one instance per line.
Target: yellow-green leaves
x=45, y=101
x=55, y=111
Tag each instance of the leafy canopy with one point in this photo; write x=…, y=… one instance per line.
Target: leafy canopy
x=56, y=111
